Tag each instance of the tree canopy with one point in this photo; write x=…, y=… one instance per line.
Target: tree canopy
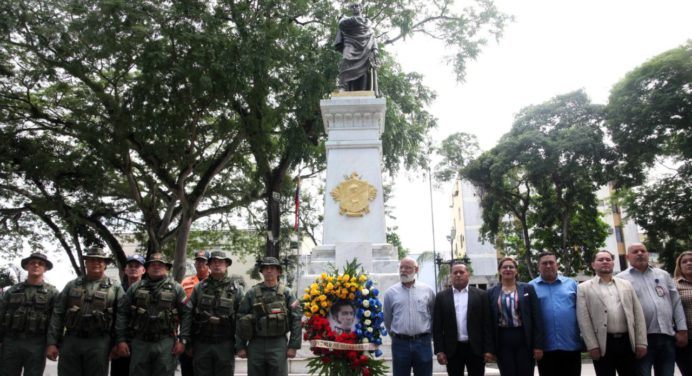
x=544, y=174
x=649, y=116
x=120, y=116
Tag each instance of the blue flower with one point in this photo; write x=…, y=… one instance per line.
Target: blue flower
x=375, y=292
x=378, y=352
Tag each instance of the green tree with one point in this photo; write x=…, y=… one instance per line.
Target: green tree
x=544, y=173
x=504, y=189
x=456, y=151
x=649, y=115
x=567, y=160
x=190, y=110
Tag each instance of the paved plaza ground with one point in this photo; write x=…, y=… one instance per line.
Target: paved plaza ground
x=586, y=370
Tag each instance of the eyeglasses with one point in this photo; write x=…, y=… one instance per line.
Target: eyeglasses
x=508, y=267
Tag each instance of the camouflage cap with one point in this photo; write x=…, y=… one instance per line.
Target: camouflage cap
x=96, y=253
x=37, y=256
x=202, y=255
x=220, y=255
x=158, y=257
x=270, y=261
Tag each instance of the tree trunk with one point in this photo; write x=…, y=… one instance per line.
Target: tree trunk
x=181, y=246
x=273, y=223
x=527, y=248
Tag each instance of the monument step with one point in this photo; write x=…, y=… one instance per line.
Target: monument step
x=316, y=267
x=298, y=367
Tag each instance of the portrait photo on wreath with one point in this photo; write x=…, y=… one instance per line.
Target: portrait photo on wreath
x=342, y=316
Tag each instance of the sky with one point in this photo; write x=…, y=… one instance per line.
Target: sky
x=553, y=47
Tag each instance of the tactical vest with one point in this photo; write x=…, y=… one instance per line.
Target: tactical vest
x=270, y=312
x=90, y=314
x=214, y=314
x=154, y=312
x=28, y=311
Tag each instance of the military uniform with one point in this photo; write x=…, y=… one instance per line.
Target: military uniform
x=25, y=313
x=82, y=325
x=265, y=315
x=149, y=320
x=214, y=304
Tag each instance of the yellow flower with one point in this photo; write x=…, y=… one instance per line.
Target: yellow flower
x=323, y=298
x=308, y=314
x=314, y=308
x=324, y=304
x=351, y=296
x=329, y=287
x=314, y=286
x=324, y=275
x=306, y=297
x=362, y=278
x=346, y=277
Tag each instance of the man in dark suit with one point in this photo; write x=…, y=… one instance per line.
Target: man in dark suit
x=461, y=326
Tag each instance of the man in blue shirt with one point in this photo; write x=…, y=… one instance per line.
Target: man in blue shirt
x=558, y=301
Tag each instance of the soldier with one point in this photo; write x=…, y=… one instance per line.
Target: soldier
x=24, y=315
x=213, y=305
x=85, y=312
x=189, y=283
x=267, y=312
x=134, y=270
x=149, y=319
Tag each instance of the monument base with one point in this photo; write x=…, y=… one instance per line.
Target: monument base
x=379, y=261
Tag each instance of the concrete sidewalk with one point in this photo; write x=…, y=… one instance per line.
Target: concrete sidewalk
x=490, y=370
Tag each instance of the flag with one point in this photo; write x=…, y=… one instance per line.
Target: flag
x=297, y=202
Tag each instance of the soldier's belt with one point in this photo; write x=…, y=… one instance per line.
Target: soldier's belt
x=151, y=337
x=86, y=334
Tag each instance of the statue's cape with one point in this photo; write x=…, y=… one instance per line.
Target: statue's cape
x=356, y=41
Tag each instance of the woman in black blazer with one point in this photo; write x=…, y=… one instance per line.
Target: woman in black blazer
x=517, y=322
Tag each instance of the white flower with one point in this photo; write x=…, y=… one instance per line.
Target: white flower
x=367, y=322
x=369, y=330
x=365, y=292
x=365, y=340
x=366, y=303
x=366, y=313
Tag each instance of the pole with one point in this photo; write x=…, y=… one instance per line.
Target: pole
x=432, y=224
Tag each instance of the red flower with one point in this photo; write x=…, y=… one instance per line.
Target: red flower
x=366, y=371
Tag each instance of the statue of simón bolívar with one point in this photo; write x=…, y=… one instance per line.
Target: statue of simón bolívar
x=356, y=41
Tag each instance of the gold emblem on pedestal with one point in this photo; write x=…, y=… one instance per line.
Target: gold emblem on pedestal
x=354, y=195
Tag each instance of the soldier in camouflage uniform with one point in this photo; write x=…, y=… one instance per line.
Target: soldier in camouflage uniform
x=267, y=312
x=25, y=311
x=213, y=306
x=82, y=323
x=149, y=318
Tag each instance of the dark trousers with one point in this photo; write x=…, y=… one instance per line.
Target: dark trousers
x=412, y=353
x=559, y=362
x=464, y=357
x=618, y=357
x=514, y=358
x=660, y=354
x=186, y=368
x=683, y=357
x=120, y=366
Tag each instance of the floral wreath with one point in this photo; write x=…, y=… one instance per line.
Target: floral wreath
x=349, y=353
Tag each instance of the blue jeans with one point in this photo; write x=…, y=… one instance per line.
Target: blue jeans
x=660, y=353
x=416, y=353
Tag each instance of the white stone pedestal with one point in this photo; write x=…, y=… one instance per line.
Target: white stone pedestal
x=354, y=123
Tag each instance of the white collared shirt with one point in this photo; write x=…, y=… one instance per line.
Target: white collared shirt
x=461, y=307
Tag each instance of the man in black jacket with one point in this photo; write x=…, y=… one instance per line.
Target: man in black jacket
x=461, y=326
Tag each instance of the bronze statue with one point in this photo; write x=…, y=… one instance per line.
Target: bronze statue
x=356, y=41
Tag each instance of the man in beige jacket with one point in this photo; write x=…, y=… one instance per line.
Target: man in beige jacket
x=611, y=320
